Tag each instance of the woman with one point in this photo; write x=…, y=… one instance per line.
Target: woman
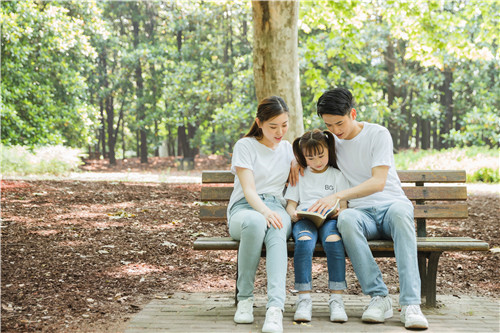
x=256, y=214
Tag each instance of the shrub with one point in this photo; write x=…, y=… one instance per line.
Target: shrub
x=54, y=160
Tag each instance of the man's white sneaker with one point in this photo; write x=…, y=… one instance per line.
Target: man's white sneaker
x=337, y=311
x=274, y=320
x=304, y=310
x=244, y=312
x=379, y=309
x=412, y=317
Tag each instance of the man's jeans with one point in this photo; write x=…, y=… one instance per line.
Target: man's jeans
x=302, y=260
x=250, y=228
x=393, y=221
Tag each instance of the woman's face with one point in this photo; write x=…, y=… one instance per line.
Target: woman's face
x=273, y=130
x=317, y=161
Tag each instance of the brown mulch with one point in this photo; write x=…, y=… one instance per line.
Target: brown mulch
x=86, y=256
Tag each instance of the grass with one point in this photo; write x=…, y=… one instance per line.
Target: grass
x=481, y=164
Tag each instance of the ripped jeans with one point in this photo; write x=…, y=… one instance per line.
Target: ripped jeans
x=304, y=252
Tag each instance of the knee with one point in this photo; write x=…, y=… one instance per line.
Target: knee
x=347, y=222
x=305, y=235
x=333, y=238
x=401, y=215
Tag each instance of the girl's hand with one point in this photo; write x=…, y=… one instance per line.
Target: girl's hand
x=273, y=219
x=294, y=217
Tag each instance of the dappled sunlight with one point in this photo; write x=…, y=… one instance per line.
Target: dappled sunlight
x=135, y=269
x=46, y=232
x=210, y=282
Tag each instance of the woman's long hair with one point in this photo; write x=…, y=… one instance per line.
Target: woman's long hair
x=268, y=108
x=314, y=143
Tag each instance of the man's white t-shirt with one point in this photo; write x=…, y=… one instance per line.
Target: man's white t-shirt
x=313, y=186
x=270, y=167
x=372, y=147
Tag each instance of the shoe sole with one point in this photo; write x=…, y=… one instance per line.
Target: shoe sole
x=248, y=321
x=338, y=320
x=388, y=314
x=302, y=319
x=420, y=326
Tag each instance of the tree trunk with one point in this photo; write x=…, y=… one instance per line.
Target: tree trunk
x=275, y=57
x=390, y=61
x=110, y=116
x=141, y=117
x=426, y=134
x=447, y=103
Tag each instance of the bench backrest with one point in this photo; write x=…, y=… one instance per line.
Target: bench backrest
x=435, y=194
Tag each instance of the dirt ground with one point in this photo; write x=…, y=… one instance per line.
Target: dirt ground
x=85, y=256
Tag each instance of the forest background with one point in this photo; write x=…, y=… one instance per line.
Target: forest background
x=174, y=78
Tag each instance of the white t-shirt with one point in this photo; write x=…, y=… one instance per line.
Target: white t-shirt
x=372, y=147
x=270, y=167
x=313, y=186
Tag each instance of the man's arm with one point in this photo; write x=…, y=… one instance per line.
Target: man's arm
x=373, y=185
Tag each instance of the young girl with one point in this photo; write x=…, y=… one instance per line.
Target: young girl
x=315, y=151
x=256, y=211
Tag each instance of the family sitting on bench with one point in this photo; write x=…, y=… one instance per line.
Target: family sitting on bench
x=352, y=163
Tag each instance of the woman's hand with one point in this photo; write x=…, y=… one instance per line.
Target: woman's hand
x=273, y=219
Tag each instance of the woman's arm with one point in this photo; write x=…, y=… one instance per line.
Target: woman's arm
x=373, y=185
x=247, y=182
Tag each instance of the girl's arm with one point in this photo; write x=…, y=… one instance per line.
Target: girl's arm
x=247, y=182
x=291, y=209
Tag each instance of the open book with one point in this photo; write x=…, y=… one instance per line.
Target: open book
x=316, y=217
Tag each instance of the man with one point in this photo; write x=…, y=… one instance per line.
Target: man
x=378, y=208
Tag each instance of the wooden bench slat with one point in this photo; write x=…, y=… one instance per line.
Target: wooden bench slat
x=406, y=176
x=452, y=211
x=424, y=244
x=412, y=192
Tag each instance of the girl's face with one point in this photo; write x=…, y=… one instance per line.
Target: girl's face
x=273, y=130
x=317, y=161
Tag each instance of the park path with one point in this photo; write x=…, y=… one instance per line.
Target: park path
x=189, y=177
x=213, y=312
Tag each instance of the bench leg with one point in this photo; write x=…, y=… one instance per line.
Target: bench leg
x=428, y=264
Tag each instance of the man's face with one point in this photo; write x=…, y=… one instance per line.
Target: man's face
x=343, y=127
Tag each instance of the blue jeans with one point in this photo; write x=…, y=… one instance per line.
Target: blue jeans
x=304, y=252
x=394, y=222
x=250, y=228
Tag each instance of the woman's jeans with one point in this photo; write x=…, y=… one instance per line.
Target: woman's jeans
x=250, y=228
x=393, y=221
x=304, y=249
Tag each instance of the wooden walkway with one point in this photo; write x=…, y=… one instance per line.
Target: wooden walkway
x=206, y=312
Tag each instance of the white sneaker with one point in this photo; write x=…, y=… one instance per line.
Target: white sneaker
x=412, y=317
x=379, y=309
x=337, y=311
x=244, y=312
x=274, y=320
x=304, y=310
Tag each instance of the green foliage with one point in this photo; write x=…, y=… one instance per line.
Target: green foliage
x=54, y=160
x=70, y=71
x=44, y=92
x=480, y=163
x=485, y=175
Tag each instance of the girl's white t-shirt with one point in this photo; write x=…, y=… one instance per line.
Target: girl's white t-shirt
x=270, y=167
x=372, y=147
x=313, y=186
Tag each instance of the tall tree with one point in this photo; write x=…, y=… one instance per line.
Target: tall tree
x=275, y=56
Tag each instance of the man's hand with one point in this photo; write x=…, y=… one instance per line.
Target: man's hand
x=295, y=170
x=324, y=204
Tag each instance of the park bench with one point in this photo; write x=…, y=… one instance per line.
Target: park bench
x=435, y=195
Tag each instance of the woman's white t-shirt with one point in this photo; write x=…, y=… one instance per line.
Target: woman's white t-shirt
x=372, y=147
x=270, y=167
x=313, y=186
